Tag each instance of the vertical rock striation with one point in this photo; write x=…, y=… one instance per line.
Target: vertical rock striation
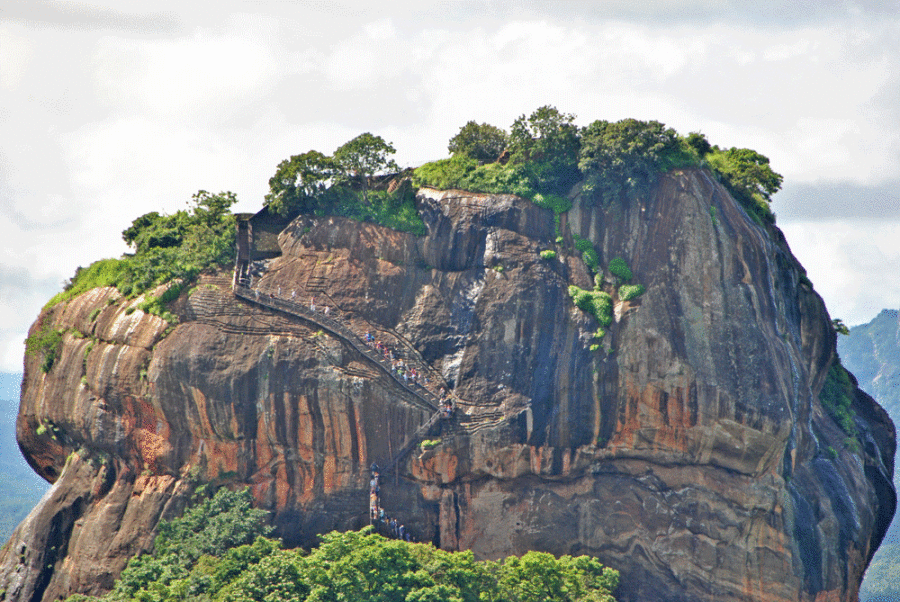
x=690, y=451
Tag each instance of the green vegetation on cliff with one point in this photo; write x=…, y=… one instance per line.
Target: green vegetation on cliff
x=837, y=397
x=218, y=551
x=342, y=184
x=547, y=154
x=46, y=344
x=166, y=248
x=872, y=353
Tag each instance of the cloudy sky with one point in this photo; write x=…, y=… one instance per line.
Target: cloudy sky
x=110, y=110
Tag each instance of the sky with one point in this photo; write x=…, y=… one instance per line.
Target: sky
x=111, y=110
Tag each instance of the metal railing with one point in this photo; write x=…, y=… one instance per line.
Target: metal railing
x=339, y=327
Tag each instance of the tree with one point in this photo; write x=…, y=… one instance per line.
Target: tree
x=218, y=524
x=840, y=327
x=699, y=143
x=484, y=142
x=624, y=156
x=548, y=142
x=540, y=577
x=748, y=177
x=749, y=173
x=363, y=157
x=299, y=182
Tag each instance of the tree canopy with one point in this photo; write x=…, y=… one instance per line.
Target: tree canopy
x=547, y=142
x=299, y=181
x=624, y=156
x=748, y=177
x=342, y=184
x=218, y=551
x=482, y=142
x=166, y=248
x=363, y=157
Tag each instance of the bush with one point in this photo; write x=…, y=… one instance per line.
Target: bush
x=588, y=254
x=466, y=174
x=597, y=303
x=548, y=254
x=627, y=292
x=627, y=156
x=105, y=272
x=837, y=397
x=554, y=202
x=427, y=444
x=747, y=176
x=395, y=210
x=591, y=259
x=620, y=269
x=45, y=344
x=167, y=247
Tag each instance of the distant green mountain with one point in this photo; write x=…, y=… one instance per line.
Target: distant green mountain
x=20, y=486
x=872, y=353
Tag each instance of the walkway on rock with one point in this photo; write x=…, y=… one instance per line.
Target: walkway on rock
x=337, y=325
x=340, y=328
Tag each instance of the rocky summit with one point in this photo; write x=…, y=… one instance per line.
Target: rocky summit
x=684, y=444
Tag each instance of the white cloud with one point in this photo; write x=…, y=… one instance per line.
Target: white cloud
x=15, y=57
x=207, y=76
x=853, y=264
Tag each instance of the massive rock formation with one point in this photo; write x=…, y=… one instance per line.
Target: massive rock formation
x=689, y=451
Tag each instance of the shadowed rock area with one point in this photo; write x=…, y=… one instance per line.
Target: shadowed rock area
x=689, y=451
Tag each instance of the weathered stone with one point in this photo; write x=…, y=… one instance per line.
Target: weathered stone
x=690, y=451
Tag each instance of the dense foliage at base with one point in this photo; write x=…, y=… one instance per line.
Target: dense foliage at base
x=218, y=551
x=166, y=248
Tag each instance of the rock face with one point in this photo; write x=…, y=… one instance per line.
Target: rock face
x=689, y=451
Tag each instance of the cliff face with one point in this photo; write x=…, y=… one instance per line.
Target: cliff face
x=690, y=451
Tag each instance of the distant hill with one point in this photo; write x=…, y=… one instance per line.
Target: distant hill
x=872, y=353
x=20, y=486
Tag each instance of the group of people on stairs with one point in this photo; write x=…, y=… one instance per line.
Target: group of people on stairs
x=401, y=368
x=383, y=523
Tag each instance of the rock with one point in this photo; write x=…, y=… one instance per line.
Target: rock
x=689, y=451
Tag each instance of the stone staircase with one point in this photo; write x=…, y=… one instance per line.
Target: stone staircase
x=342, y=327
x=337, y=326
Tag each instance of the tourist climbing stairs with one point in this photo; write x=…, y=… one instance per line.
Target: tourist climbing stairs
x=341, y=327
x=338, y=327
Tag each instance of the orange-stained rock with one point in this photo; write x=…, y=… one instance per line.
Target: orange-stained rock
x=690, y=452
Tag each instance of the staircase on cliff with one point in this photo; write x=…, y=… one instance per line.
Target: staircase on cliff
x=340, y=327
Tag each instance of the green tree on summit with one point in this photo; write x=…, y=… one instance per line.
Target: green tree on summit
x=748, y=173
x=300, y=181
x=624, y=156
x=546, y=143
x=363, y=157
x=483, y=142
